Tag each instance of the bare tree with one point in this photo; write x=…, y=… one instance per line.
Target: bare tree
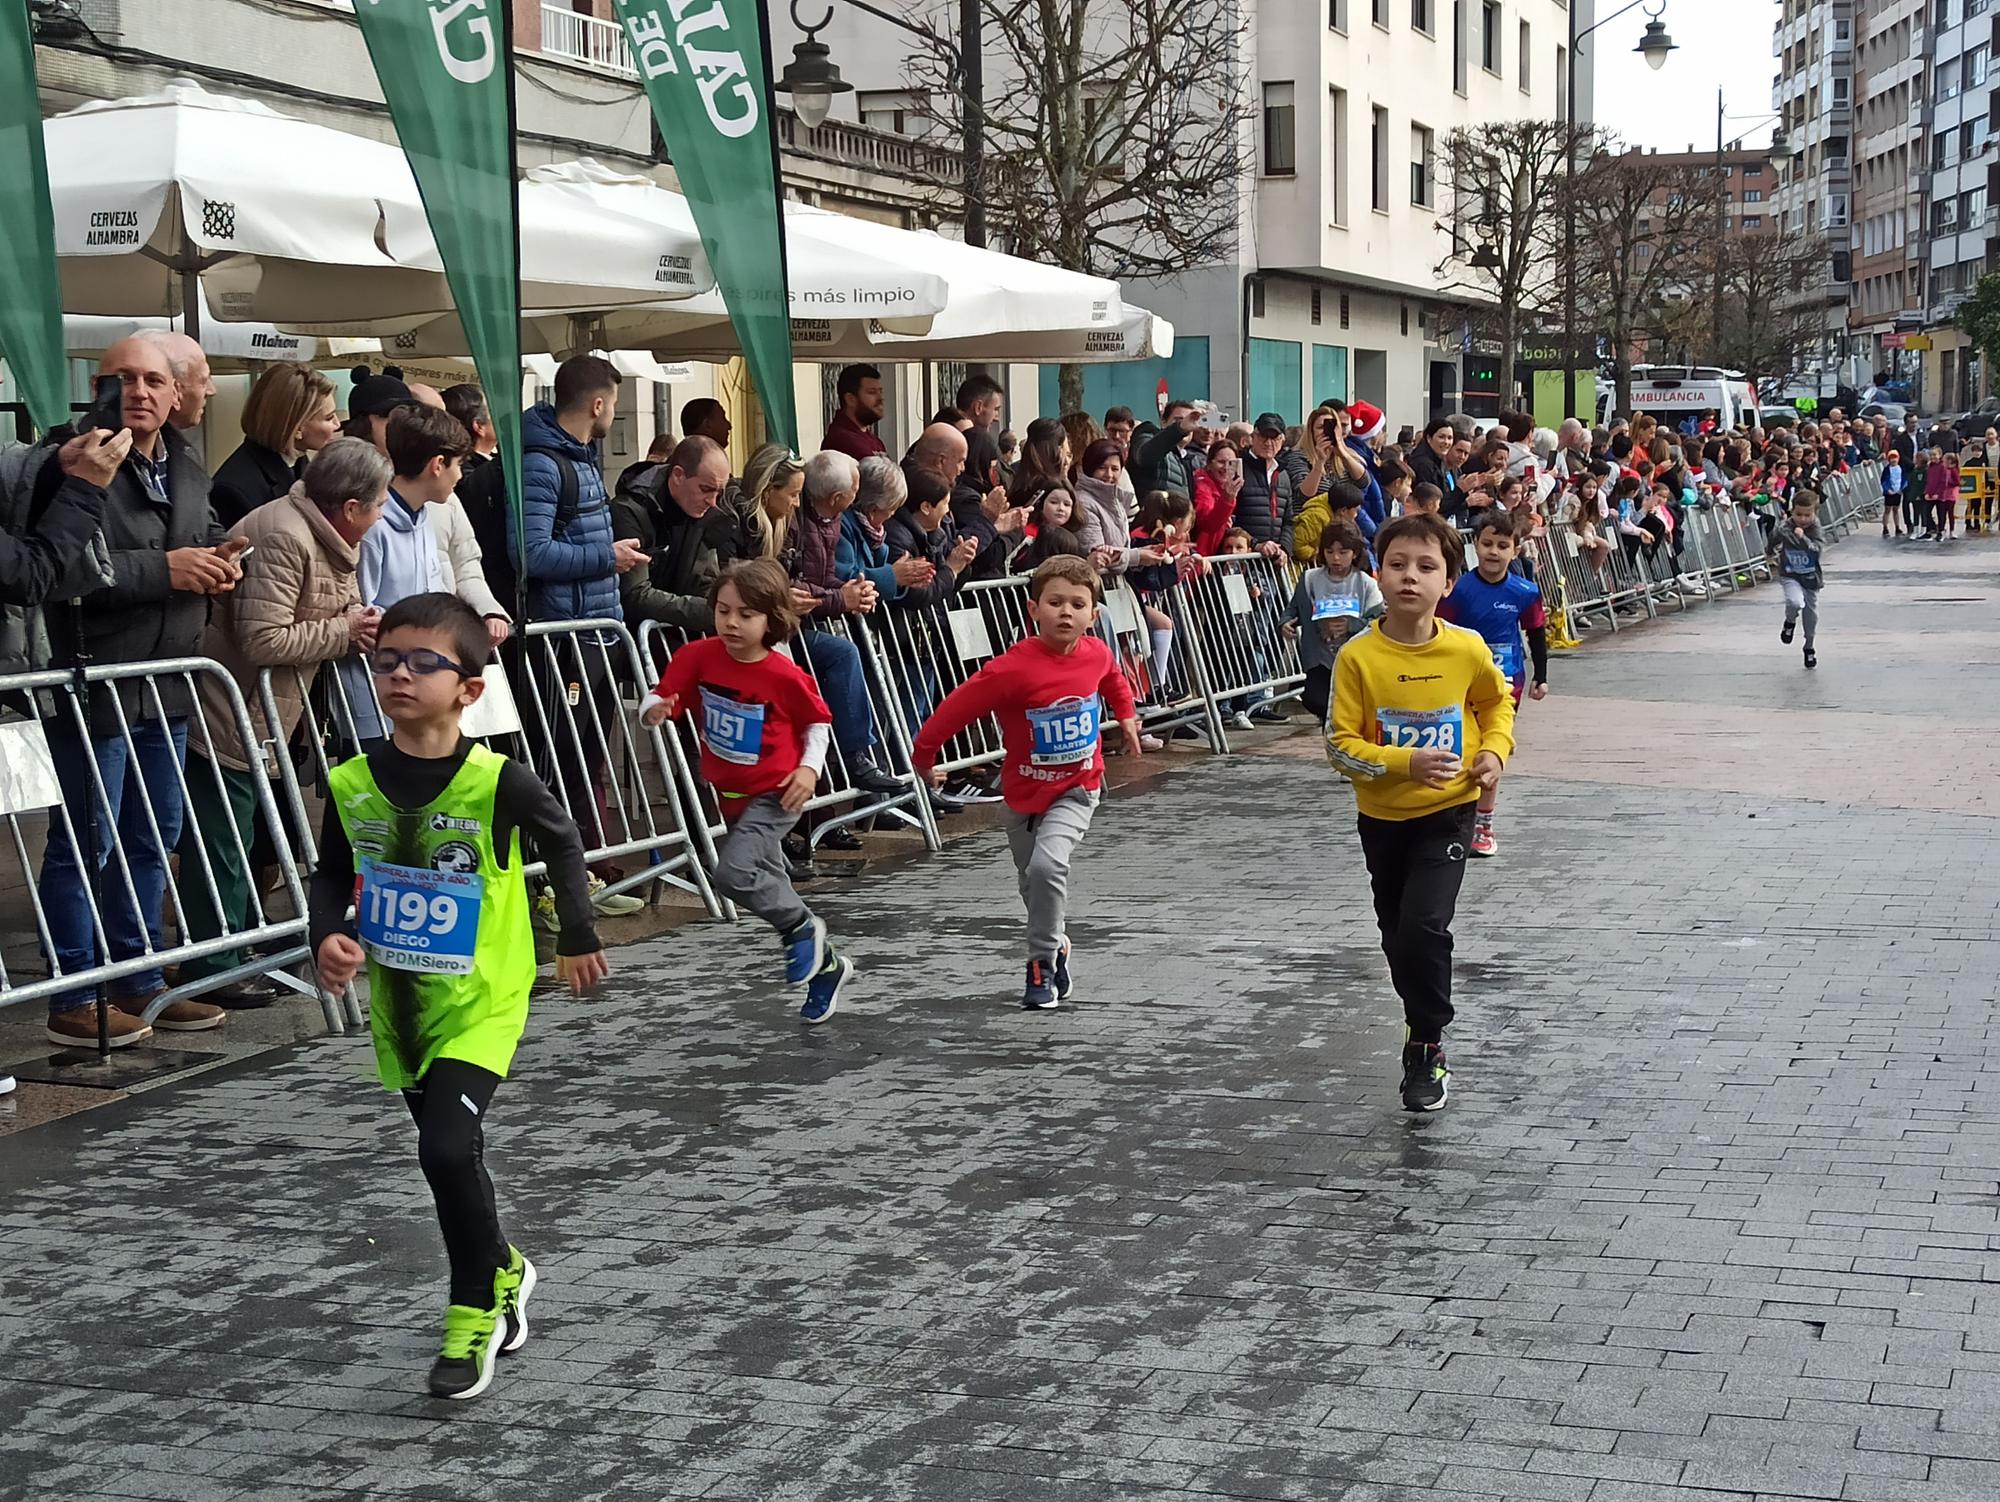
x=1773, y=322
x=1645, y=232
x=1114, y=132
x=1503, y=181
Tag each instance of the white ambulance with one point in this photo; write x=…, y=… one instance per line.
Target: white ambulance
x=1674, y=392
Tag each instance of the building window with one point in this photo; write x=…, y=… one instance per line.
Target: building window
x=1336, y=15
x=1753, y=221
x=1458, y=45
x=1422, y=168
x=1420, y=16
x=1975, y=66
x=1525, y=65
x=1343, y=310
x=1753, y=195
x=1280, y=140
x=1562, y=84
x=1315, y=312
x=1378, y=157
x=1378, y=12
x=1753, y=169
x=1336, y=154
x=1489, y=36
x=1405, y=309
x=886, y=109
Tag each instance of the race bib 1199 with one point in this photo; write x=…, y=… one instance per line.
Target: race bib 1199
x=1422, y=729
x=414, y=918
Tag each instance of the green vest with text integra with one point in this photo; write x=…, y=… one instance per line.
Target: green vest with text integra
x=447, y=930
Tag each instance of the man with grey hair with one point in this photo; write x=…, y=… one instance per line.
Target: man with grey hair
x=832, y=481
x=193, y=384
x=1572, y=449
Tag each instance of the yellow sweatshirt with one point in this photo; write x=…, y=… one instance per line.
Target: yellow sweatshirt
x=1389, y=700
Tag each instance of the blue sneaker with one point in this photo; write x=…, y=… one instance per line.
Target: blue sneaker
x=823, y=995
x=805, y=952
x=1040, y=995
x=1059, y=972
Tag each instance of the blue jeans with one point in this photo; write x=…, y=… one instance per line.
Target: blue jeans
x=836, y=664
x=146, y=770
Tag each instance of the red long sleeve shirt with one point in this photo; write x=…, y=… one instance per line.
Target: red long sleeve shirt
x=753, y=716
x=1048, y=706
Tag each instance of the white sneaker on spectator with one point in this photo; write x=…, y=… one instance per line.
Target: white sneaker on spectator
x=1240, y=721
x=6, y=1084
x=613, y=904
x=1149, y=742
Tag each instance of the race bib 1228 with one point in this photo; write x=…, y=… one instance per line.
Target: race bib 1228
x=1422, y=729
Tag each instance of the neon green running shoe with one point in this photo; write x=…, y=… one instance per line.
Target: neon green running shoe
x=511, y=1286
x=471, y=1341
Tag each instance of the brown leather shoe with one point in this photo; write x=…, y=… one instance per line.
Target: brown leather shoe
x=187, y=1016
x=78, y=1027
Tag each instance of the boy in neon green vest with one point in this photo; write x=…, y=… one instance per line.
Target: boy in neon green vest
x=424, y=837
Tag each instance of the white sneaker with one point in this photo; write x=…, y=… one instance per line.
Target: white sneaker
x=1240, y=721
x=613, y=904
x=1150, y=743
x=6, y=1084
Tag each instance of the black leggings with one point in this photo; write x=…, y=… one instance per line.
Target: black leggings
x=449, y=1107
x=1416, y=867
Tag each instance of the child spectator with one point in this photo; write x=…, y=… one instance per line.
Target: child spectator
x=436, y=829
x=1051, y=529
x=1425, y=500
x=764, y=735
x=1499, y=604
x=1941, y=493
x=1421, y=723
x=1250, y=630
x=1048, y=691
x=1797, y=544
x=1332, y=602
x=1893, y=483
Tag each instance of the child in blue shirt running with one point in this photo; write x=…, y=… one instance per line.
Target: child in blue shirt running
x=1499, y=605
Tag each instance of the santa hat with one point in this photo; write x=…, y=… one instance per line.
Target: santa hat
x=1366, y=417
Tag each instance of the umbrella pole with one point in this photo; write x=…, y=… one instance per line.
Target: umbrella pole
x=191, y=308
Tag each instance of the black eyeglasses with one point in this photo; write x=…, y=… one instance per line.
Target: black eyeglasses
x=421, y=661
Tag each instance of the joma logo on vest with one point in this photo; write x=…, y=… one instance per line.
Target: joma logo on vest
x=475, y=64
x=723, y=79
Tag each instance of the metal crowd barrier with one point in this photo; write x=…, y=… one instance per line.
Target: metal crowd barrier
x=840, y=803
x=135, y=896
x=573, y=726
x=1232, y=607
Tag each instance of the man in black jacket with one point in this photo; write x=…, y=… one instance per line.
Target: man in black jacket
x=666, y=511
x=1161, y=462
x=166, y=557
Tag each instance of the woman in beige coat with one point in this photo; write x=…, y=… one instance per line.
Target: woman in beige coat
x=296, y=608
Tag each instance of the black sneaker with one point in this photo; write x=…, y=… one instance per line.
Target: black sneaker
x=1040, y=995
x=512, y=1285
x=1425, y=1077
x=1264, y=714
x=870, y=778
x=1812, y=658
x=1059, y=972
x=971, y=789
x=842, y=838
x=799, y=858
x=465, y=1363
x=1785, y=635
x=943, y=804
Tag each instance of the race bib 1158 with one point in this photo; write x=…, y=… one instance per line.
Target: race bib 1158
x=1065, y=733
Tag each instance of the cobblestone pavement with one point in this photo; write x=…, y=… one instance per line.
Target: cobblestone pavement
x=1711, y=1216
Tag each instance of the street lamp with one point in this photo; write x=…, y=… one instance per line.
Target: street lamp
x=812, y=79
x=1654, y=47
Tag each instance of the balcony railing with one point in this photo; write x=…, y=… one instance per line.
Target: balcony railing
x=588, y=40
x=842, y=143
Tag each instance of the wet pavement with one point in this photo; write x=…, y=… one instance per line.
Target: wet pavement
x=1712, y=1214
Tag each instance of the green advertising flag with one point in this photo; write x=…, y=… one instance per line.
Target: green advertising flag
x=31, y=335
x=444, y=69
x=706, y=68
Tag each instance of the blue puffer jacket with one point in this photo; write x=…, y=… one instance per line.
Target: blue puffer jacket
x=571, y=577
x=860, y=556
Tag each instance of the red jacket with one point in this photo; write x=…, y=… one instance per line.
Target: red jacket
x=1048, y=706
x=1213, y=512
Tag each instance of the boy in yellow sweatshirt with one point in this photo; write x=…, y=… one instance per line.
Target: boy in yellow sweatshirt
x=1422, y=722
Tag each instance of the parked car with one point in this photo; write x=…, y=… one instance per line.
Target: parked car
x=1777, y=417
x=1978, y=420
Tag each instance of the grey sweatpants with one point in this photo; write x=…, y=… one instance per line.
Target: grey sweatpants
x=750, y=865
x=1042, y=845
x=1801, y=601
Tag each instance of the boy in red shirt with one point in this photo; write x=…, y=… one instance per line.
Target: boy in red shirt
x=1048, y=692
x=764, y=734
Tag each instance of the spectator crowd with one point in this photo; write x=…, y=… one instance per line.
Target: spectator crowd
x=120, y=548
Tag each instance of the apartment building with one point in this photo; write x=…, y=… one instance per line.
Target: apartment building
x=1962, y=183
x=1887, y=209
x=1334, y=285
x=1813, y=93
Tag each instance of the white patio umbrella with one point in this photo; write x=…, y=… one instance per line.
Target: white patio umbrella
x=227, y=345
x=298, y=225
